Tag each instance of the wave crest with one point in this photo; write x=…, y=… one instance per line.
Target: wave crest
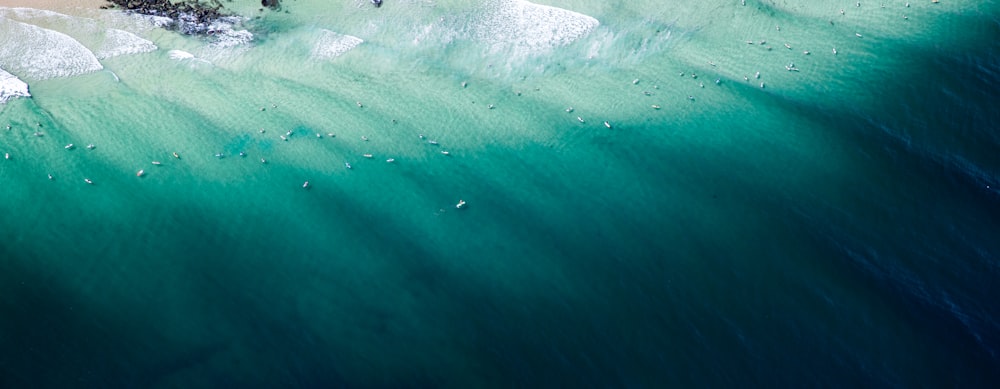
x=38, y=53
x=11, y=87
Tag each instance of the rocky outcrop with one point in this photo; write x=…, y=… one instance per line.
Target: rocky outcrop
x=191, y=17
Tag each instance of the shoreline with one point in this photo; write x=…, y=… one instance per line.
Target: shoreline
x=62, y=6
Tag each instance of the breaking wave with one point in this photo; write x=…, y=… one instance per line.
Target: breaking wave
x=530, y=28
x=11, y=87
x=330, y=44
x=38, y=53
x=119, y=42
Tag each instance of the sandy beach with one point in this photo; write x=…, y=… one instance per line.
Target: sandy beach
x=56, y=5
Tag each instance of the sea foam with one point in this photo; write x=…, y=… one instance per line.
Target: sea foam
x=330, y=44
x=530, y=28
x=98, y=35
x=226, y=35
x=38, y=53
x=119, y=42
x=11, y=87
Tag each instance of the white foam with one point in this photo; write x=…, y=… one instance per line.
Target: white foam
x=183, y=56
x=530, y=28
x=330, y=45
x=224, y=34
x=119, y=42
x=109, y=35
x=38, y=53
x=179, y=55
x=11, y=87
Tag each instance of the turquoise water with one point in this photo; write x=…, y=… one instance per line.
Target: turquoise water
x=836, y=226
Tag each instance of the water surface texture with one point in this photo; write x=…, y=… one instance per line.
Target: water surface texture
x=656, y=193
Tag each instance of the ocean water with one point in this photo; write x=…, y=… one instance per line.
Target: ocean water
x=833, y=220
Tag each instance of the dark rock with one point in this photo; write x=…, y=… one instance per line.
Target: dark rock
x=192, y=17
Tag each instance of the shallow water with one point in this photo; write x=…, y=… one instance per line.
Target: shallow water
x=836, y=226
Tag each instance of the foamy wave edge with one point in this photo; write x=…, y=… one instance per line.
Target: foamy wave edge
x=11, y=87
x=330, y=44
x=38, y=53
x=531, y=28
x=121, y=42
